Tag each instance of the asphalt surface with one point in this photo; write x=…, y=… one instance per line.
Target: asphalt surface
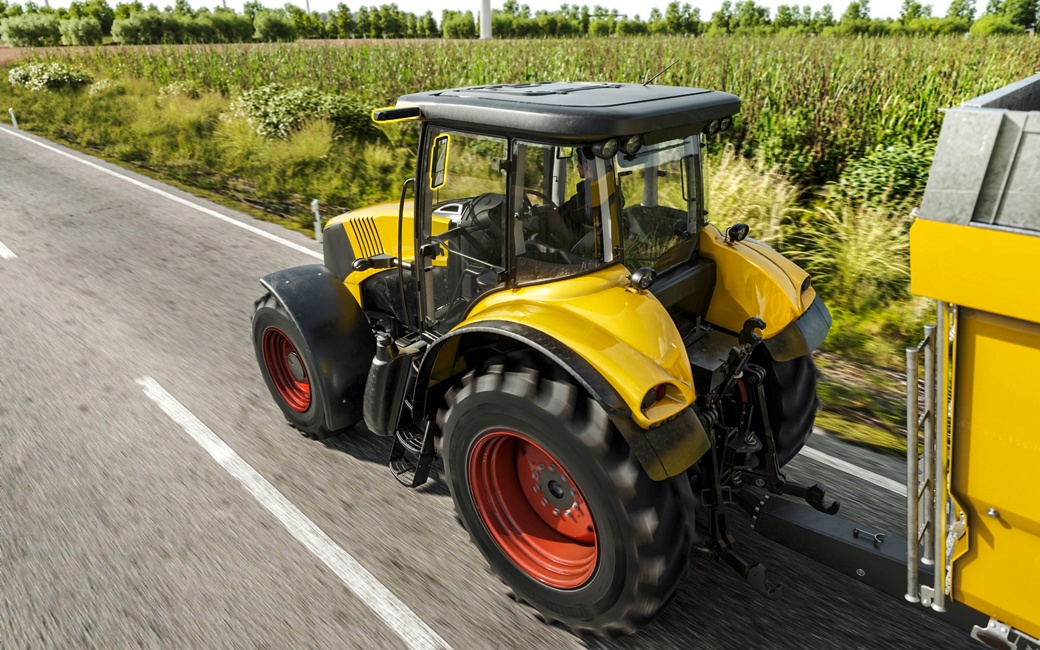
x=117, y=528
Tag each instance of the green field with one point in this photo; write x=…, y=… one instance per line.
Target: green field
x=829, y=154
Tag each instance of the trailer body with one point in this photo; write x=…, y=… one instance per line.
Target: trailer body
x=975, y=249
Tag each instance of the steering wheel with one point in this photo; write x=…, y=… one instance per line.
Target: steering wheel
x=538, y=221
x=546, y=201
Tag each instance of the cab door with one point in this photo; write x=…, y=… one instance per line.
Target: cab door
x=463, y=199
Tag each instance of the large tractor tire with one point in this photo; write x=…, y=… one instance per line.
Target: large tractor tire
x=790, y=388
x=555, y=500
x=288, y=368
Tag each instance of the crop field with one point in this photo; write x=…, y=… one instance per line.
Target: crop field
x=825, y=161
x=810, y=103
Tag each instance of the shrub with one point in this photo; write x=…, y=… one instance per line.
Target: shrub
x=48, y=76
x=276, y=112
x=230, y=27
x=30, y=30
x=80, y=31
x=148, y=28
x=273, y=26
x=995, y=24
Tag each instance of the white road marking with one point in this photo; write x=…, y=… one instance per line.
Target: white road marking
x=854, y=470
x=184, y=202
x=412, y=630
x=6, y=253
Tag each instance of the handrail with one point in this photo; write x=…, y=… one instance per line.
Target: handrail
x=920, y=489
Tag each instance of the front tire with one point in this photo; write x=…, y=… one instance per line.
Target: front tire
x=288, y=368
x=555, y=500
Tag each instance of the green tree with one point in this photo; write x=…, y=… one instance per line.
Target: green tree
x=344, y=21
x=273, y=26
x=823, y=18
x=456, y=24
x=857, y=10
x=1021, y=12
x=722, y=20
x=428, y=26
x=786, y=16
x=749, y=15
x=912, y=10
x=361, y=22
x=964, y=9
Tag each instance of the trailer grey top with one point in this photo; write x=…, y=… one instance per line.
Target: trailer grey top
x=986, y=169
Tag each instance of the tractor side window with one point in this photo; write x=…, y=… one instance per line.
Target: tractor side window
x=565, y=202
x=659, y=184
x=466, y=208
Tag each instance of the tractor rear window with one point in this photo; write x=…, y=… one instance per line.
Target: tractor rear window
x=659, y=187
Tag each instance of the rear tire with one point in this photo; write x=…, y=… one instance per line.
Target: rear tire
x=288, y=368
x=790, y=388
x=555, y=500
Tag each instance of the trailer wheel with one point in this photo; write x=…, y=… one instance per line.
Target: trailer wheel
x=556, y=502
x=288, y=368
x=790, y=388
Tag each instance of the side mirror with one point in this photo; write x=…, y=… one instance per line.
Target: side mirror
x=737, y=232
x=439, y=161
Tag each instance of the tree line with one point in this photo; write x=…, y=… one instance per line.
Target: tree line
x=95, y=21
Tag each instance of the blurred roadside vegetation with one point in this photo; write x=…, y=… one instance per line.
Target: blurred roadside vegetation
x=92, y=22
x=825, y=162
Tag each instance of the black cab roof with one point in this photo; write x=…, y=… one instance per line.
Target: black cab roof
x=579, y=111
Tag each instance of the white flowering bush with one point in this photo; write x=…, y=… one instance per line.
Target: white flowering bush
x=106, y=87
x=48, y=76
x=276, y=111
x=190, y=89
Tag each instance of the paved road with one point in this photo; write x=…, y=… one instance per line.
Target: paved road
x=118, y=527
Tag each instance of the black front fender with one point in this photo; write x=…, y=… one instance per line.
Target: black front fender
x=336, y=332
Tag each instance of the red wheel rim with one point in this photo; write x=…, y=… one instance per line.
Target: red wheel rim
x=286, y=369
x=533, y=509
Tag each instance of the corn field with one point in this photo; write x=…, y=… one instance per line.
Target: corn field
x=809, y=103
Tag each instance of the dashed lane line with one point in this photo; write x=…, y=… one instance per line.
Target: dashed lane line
x=6, y=253
x=402, y=620
x=854, y=470
x=165, y=194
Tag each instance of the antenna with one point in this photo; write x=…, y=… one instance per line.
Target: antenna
x=646, y=82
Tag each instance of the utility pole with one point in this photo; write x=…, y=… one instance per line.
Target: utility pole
x=485, y=20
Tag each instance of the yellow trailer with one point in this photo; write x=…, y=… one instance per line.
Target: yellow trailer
x=975, y=249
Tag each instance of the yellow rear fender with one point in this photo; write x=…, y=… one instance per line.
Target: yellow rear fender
x=665, y=450
x=753, y=280
x=626, y=335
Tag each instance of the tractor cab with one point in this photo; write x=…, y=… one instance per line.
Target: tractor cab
x=568, y=189
x=500, y=213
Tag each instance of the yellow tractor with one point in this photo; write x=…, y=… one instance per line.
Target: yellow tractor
x=549, y=311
